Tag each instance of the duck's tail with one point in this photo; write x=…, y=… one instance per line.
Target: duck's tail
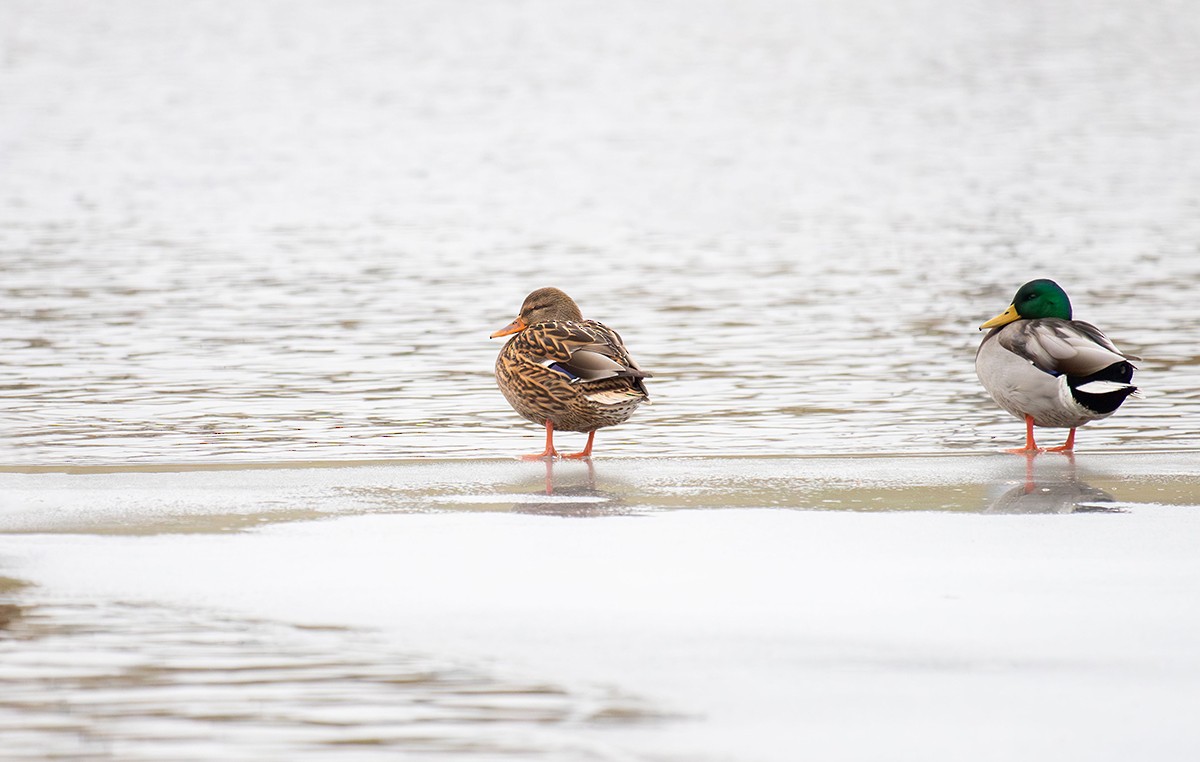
x=1105, y=390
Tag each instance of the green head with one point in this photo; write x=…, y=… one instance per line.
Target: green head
x=1040, y=298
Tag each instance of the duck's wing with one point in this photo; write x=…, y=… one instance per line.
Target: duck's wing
x=610, y=345
x=584, y=352
x=1057, y=346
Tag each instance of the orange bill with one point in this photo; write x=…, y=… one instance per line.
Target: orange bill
x=515, y=326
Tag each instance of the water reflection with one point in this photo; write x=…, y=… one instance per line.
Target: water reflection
x=93, y=681
x=1055, y=487
x=9, y=611
x=589, y=485
x=573, y=495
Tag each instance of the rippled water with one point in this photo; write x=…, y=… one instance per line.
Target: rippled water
x=274, y=691
x=285, y=231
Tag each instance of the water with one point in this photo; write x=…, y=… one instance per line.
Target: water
x=286, y=231
x=274, y=691
x=280, y=233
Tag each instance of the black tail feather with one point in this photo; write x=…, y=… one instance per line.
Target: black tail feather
x=1118, y=372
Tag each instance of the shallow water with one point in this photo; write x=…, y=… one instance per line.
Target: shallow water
x=227, y=237
x=277, y=235
x=185, y=500
x=74, y=689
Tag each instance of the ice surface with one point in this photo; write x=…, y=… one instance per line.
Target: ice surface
x=752, y=633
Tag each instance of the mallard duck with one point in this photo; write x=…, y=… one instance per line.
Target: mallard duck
x=565, y=372
x=1042, y=366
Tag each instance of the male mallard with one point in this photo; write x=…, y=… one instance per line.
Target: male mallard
x=1040, y=365
x=565, y=372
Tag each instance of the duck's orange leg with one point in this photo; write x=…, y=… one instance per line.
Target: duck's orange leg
x=1030, y=446
x=586, y=452
x=1068, y=446
x=549, y=452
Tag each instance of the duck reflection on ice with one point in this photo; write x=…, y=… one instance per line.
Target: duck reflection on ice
x=573, y=496
x=1054, y=488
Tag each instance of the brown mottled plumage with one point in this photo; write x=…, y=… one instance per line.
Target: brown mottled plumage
x=565, y=372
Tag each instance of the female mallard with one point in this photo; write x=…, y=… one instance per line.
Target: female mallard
x=565, y=372
x=1050, y=370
